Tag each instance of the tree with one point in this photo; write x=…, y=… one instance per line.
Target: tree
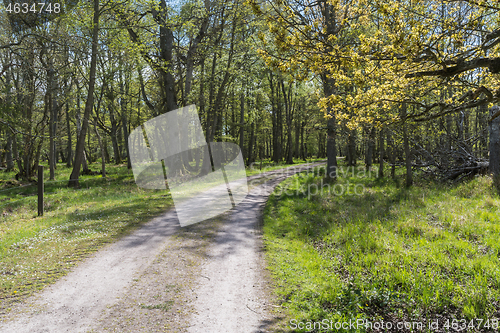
x=439, y=57
x=80, y=144
x=313, y=36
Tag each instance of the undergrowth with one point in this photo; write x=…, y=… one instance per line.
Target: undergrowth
x=385, y=252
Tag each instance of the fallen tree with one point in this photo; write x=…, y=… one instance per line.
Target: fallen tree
x=454, y=163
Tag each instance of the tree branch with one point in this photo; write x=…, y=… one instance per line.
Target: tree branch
x=493, y=65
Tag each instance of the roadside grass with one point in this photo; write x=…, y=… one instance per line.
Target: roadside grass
x=385, y=253
x=35, y=251
x=162, y=306
x=268, y=165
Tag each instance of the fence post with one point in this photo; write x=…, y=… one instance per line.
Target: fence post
x=40, y=190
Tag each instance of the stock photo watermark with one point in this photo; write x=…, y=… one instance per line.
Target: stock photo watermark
x=160, y=151
x=449, y=325
x=313, y=189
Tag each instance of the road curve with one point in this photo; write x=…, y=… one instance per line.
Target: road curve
x=230, y=292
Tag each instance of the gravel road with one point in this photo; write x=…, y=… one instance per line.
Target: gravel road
x=208, y=277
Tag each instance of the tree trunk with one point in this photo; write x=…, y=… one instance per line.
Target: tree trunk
x=448, y=131
x=119, y=138
x=214, y=101
x=78, y=130
x=52, y=105
x=10, y=134
x=329, y=89
x=27, y=100
x=331, y=145
x=302, y=143
x=494, y=129
x=125, y=133
x=297, y=139
x=16, y=154
x=351, y=148
x=103, y=155
x=483, y=139
x=409, y=174
x=69, y=150
x=287, y=97
x=9, y=155
x=80, y=145
x=114, y=136
x=242, y=124
x=201, y=104
x=251, y=157
x=381, y=153
x=279, y=123
x=274, y=135
x=466, y=124
x=320, y=145
x=392, y=156
x=371, y=147
x=289, y=159
x=166, y=48
x=191, y=54
x=106, y=152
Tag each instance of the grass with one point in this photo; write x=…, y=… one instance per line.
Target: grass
x=162, y=306
x=380, y=251
x=268, y=165
x=35, y=251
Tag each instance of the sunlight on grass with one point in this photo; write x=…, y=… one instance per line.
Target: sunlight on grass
x=35, y=251
x=267, y=165
x=392, y=253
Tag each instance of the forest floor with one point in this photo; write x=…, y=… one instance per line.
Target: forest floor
x=208, y=277
x=371, y=251
x=36, y=251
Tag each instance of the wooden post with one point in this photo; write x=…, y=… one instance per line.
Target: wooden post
x=40, y=190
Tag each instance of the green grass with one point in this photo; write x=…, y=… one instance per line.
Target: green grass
x=162, y=306
x=388, y=253
x=35, y=251
x=268, y=165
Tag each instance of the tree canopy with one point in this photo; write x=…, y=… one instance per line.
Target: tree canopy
x=270, y=75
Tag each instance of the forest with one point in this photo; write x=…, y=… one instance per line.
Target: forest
x=391, y=82
x=397, y=82
x=405, y=89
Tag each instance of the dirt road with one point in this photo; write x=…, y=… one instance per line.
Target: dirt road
x=208, y=277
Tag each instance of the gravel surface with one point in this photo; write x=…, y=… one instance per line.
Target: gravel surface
x=207, y=277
